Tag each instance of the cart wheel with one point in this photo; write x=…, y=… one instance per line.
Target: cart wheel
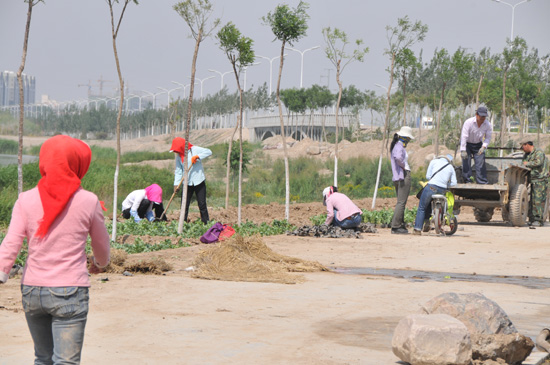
x=519, y=205
x=483, y=214
x=437, y=218
x=451, y=226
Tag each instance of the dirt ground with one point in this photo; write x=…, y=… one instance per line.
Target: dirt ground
x=331, y=318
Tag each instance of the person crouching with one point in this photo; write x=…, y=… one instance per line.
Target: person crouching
x=140, y=204
x=341, y=211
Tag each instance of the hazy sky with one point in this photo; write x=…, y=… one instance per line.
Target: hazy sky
x=70, y=41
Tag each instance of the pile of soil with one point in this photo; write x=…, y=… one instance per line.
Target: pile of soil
x=249, y=259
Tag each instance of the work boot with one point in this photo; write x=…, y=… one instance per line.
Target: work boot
x=399, y=230
x=426, y=227
x=417, y=232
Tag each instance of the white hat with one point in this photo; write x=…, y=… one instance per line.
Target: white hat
x=405, y=132
x=326, y=191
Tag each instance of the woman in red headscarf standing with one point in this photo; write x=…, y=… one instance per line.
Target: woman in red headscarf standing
x=56, y=218
x=197, y=179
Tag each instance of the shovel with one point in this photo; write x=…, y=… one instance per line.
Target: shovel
x=170, y=201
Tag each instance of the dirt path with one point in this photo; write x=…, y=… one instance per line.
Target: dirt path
x=329, y=319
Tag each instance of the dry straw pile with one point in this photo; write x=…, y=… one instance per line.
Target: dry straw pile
x=249, y=259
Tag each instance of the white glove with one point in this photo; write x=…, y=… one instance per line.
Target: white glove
x=464, y=155
x=481, y=150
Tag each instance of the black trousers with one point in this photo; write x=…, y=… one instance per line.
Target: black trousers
x=158, y=208
x=200, y=193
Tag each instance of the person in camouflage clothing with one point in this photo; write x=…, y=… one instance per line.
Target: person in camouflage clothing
x=536, y=160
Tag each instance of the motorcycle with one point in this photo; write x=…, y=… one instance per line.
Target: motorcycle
x=443, y=219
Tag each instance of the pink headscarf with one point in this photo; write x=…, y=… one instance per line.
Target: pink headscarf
x=154, y=193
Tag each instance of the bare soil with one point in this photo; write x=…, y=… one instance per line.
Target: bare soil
x=331, y=318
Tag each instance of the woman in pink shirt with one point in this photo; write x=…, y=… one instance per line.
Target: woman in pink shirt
x=56, y=217
x=341, y=211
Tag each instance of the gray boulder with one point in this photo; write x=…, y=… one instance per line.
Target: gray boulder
x=480, y=314
x=437, y=339
x=494, y=337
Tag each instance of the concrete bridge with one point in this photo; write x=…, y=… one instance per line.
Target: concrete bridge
x=297, y=126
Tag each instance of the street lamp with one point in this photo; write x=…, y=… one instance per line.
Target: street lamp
x=270, y=68
x=203, y=80
x=513, y=13
x=245, y=68
x=182, y=85
x=168, y=92
x=385, y=88
x=221, y=75
x=154, y=95
x=302, y=62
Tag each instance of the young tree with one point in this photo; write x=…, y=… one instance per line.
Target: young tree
x=288, y=25
x=483, y=63
x=336, y=41
x=31, y=3
x=196, y=14
x=114, y=34
x=511, y=53
x=441, y=65
x=238, y=50
x=400, y=37
x=405, y=64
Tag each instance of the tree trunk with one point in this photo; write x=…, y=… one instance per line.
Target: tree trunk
x=385, y=134
x=22, y=99
x=187, y=129
x=114, y=34
x=339, y=82
x=404, y=100
x=503, y=121
x=229, y=164
x=438, y=125
x=478, y=90
x=285, y=152
x=521, y=120
x=240, y=125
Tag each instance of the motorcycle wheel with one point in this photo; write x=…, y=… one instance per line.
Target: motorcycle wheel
x=437, y=218
x=451, y=225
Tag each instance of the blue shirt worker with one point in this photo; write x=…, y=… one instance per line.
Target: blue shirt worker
x=196, y=184
x=441, y=175
x=475, y=137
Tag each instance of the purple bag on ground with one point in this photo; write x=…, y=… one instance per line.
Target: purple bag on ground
x=212, y=234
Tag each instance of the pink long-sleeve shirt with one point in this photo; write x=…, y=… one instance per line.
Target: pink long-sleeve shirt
x=58, y=258
x=345, y=207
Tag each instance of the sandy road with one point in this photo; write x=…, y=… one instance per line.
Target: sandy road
x=329, y=319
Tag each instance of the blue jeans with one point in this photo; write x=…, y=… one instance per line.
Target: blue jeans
x=347, y=223
x=56, y=317
x=481, y=169
x=424, y=210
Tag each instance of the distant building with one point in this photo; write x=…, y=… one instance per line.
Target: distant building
x=9, y=89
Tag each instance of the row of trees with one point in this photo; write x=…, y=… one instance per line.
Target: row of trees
x=514, y=82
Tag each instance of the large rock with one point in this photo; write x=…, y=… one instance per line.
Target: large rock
x=436, y=339
x=480, y=314
x=512, y=348
x=493, y=335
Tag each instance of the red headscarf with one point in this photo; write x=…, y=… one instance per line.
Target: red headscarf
x=178, y=146
x=63, y=163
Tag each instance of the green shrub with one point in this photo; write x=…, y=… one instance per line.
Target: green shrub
x=9, y=147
